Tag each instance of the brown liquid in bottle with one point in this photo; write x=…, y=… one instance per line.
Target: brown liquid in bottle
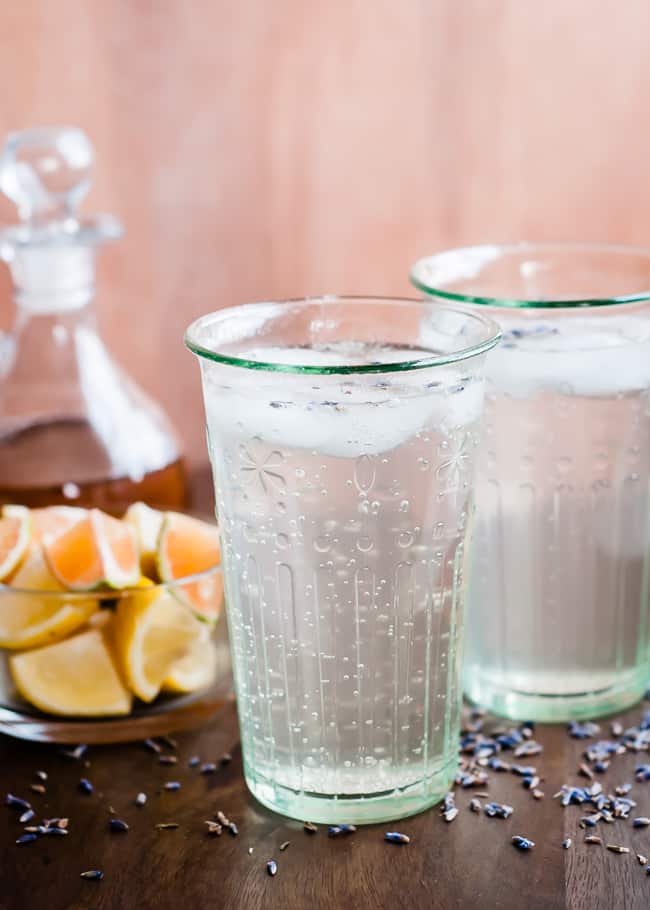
x=63, y=463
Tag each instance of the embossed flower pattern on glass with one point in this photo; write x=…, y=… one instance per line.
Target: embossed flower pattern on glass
x=258, y=465
x=457, y=458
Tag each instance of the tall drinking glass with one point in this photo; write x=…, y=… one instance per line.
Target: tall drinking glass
x=342, y=435
x=559, y=595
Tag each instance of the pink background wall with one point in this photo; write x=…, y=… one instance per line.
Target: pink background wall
x=261, y=148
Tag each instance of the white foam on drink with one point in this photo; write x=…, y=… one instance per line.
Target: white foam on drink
x=341, y=415
x=583, y=356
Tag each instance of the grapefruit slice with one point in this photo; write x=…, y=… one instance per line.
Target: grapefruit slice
x=54, y=519
x=15, y=536
x=97, y=552
x=75, y=677
x=187, y=546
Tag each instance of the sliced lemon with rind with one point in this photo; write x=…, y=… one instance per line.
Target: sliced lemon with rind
x=195, y=671
x=151, y=631
x=146, y=522
x=73, y=678
x=15, y=536
x=29, y=618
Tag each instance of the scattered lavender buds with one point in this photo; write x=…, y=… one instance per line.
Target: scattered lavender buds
x=208, y=768
x=141, y=799
x=641, y=822
x=566, y=843
x=642, y=772
x=498, y=810
x=538, y=794
x=396, y=837
x=172, y=785
x=475, y=805
x=85, y=786
x=616, y=728
x=583, y=731
x=94, y=875
x=272, y=867
x=152, y=746
x=337, y=830
x=116, y=825
x=26, y=816
x=522, y=843
x=27, y=838
x=15, y=802
x=75, y=754
x=194, y=761
x=55, y=832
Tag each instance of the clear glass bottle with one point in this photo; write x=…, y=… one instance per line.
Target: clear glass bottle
x=74, y=428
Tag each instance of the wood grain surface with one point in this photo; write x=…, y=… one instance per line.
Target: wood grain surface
x=469, y=863
x=264, y=149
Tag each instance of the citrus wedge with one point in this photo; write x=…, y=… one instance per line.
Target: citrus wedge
x=150, y=632
x=15, y=535
x=29, y=620
x=187, y=546
x=75, y=677
x=195, y=671
x=146, y=523
x=97, y=552
x=51, y=521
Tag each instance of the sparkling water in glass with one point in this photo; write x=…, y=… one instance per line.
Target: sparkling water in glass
x=342, y=435
x=559, y=595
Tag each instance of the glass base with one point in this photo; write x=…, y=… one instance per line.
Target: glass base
x=482, y=689
x=355, y=809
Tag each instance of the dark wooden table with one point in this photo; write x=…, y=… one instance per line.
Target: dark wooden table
x=469, y=863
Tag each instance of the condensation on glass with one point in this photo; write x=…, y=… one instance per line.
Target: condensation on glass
x=559, y=594
x=342, y=436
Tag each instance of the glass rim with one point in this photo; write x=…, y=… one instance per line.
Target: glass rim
x=431, y=289
x=111, y=594
x=491, y=331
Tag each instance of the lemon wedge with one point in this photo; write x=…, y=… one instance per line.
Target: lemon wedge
x=28, y=619
x=76, y=677
x=15, y=534
x=151, y=631
x=195, y=671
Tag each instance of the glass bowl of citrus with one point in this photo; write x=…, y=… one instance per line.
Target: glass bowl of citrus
x=108, y=626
